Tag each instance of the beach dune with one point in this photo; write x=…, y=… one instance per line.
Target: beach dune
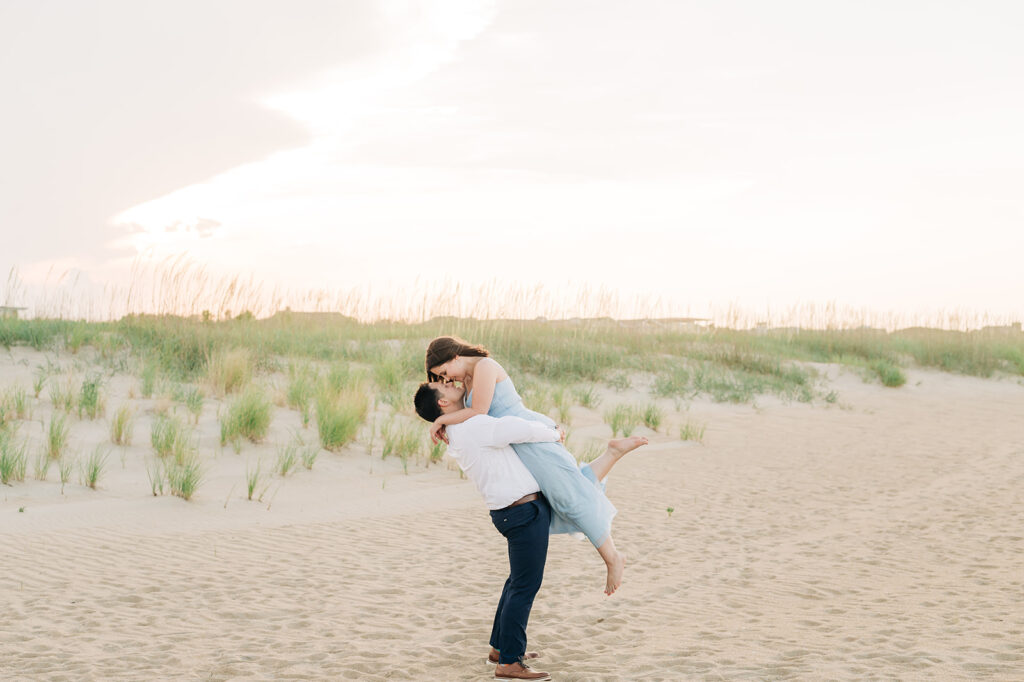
x=882, y=536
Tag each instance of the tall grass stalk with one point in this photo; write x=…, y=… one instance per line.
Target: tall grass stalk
x=156, y=472
x=588, y=397
x=39, y=380
x=652, y=416
x=14, y=404
x=150, y=372
x=287, y=458
x=122, y=426
x=57, y=435
x=309, y=454
x=13, y=457
x=90, y=398
x=587, y=452
x=91, y=469
x=248, y=416
x=437, y=451
x=402, y=438
x=563, y=404
x=185, y=476
x=302, y=382
x=338, y=417
x=193, y=400
x=622, y=419
x=692, y=430
x=41, y=464
x=888, y=372
x=252, y=480
x=170, y=439
x=62, y=395
x=229, y=370
x=390, y=374
x=65, y=465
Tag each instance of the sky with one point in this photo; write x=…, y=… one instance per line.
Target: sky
x=687, y=155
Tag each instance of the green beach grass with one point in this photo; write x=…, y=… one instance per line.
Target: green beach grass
x=544, y=356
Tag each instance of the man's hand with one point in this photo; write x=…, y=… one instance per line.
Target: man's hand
x=561, y=434
x=437, y=433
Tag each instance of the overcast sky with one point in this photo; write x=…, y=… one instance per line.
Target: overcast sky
x=704, y=153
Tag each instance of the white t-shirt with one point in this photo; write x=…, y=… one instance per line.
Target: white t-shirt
x=481, y=447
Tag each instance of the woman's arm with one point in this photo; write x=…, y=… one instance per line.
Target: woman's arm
x=485, y=377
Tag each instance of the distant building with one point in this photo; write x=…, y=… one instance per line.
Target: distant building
x=1004, y=329
x=12, y=311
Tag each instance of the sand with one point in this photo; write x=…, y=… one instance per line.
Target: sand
x=878, y=537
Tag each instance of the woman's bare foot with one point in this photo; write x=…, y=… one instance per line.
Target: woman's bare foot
x=620, y=446
x=617, y=447
x=615, y=568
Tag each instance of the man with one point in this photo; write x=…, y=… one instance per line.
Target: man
x=480, y=445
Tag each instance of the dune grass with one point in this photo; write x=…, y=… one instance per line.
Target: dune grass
x=156, y=472
x=170, y=438
x=309, y=455
x=39, y=381
x=91, y=402
x=65, y=465
x=13, y=456
x=14, y=404
x=733, y=365
x=57, y=435
x=436, y=453
x=652, y=416
x=692, y=430
x=561, y=397
x=229, y=370
x=587, y=396
x=301, y=391
x=192, y=398
x=248, y=416
x=586, y=451
x=394, y=374
x=339, y=414
x=253, y=478
x=623, y=419
x=185, y=475
x=92, y=467
x=62, y=394
x=403, y=439
x=41, y=465
x=288, y=457
x=148, y=377
x=122, y=425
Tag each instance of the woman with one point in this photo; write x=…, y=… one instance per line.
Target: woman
x=576, y=494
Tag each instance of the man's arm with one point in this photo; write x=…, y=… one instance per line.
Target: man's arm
x=508, y=430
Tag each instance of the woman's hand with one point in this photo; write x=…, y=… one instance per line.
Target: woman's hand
x=437, y=433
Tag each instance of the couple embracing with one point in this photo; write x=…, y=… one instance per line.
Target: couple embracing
x=530, y=482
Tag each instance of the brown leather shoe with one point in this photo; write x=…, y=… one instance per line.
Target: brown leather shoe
x=493, y=659
x=518, y=671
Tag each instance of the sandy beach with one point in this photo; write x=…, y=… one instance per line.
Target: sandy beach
x=878, y=537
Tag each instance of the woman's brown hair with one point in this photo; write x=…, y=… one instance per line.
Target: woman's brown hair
x=444, y=348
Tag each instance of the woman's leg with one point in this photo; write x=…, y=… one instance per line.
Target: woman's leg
x=616, y=449
x=615, y=562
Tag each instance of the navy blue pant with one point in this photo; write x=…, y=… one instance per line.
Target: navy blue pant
x=526, y=527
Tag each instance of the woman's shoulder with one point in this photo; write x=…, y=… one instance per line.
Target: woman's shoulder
x=492, y=366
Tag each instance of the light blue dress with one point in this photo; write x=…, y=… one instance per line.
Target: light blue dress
x=576, y=497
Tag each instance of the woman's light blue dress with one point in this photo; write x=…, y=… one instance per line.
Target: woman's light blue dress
x=576, y=496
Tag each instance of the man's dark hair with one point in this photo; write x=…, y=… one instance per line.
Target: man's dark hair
x=426, y=402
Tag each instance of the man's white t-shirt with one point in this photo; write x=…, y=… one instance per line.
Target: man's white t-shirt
x=481, y=446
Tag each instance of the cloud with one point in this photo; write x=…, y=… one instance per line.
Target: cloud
x=112, y=103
